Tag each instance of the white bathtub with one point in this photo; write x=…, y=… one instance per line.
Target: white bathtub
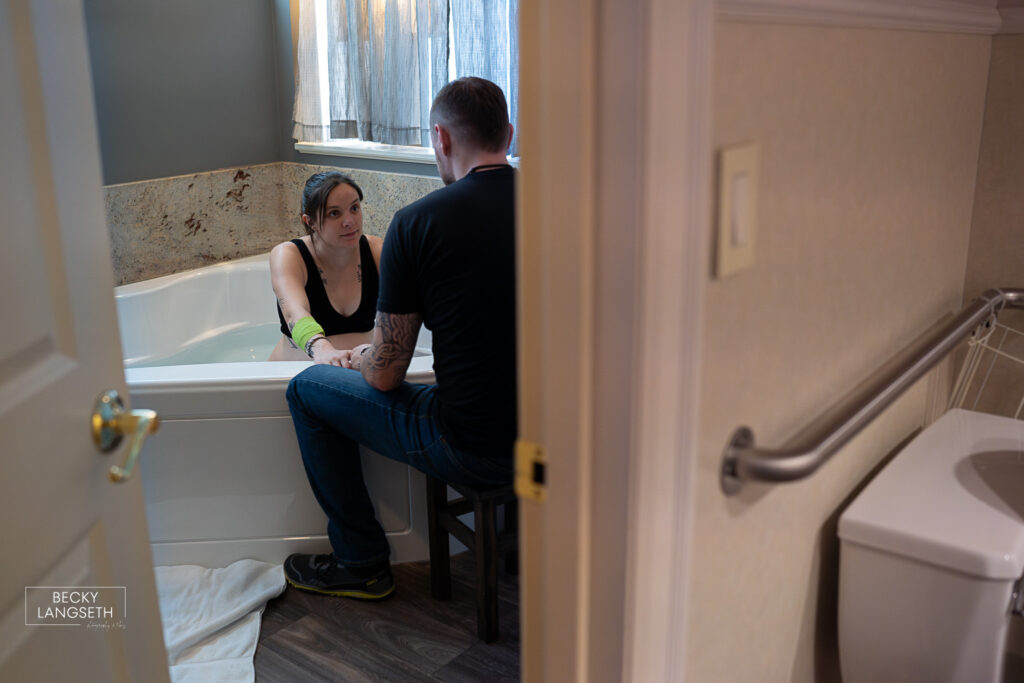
x=223, y=478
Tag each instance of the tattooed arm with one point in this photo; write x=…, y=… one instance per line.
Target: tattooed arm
x=384, y=361
x=288, y=278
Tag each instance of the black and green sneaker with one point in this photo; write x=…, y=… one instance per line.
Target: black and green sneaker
x=323, y=574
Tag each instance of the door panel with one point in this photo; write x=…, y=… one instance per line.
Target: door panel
x=63, y=523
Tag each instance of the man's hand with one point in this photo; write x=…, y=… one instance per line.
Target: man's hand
x=354, y=359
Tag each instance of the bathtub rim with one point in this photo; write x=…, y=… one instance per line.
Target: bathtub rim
x=211, y=376
x=251, y=374
x=164, y=281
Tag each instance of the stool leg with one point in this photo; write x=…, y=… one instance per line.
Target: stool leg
x=440, y=564
x=512, y=528
x=486, y=544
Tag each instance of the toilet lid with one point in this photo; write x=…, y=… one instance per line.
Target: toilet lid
x=953, y=497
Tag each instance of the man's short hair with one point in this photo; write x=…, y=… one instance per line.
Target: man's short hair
x=474, y=109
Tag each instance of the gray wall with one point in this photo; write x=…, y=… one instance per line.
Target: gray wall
x=191, y=86
x=183, y=86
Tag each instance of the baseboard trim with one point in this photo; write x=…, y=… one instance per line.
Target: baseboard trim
x=406, y=546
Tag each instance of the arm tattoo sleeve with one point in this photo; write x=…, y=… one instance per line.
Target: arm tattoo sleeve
x=394, y=340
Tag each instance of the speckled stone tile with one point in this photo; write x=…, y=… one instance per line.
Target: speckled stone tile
x=383, y=193
x=169, y=225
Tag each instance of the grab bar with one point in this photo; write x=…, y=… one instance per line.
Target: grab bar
x=803, y=454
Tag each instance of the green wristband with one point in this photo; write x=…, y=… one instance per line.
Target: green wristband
x=304, y=329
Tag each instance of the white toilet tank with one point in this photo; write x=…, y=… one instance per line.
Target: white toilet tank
x=931, y=552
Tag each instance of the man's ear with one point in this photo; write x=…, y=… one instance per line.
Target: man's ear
x=444, y=139
x=511, y=132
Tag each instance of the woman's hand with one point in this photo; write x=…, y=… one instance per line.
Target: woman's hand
x=324, y=353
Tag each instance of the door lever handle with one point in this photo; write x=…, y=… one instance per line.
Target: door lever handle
x=111, y=422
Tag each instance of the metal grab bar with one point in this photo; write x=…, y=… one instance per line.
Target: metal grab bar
x=807, y=451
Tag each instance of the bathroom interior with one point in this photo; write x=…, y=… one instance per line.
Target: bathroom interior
x=891, y=168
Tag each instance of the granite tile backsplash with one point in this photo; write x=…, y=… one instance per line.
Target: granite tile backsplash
x=169, y=225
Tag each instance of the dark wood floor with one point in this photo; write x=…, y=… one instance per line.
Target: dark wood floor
x=407, y=637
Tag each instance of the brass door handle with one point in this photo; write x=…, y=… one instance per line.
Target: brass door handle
x=111, y=422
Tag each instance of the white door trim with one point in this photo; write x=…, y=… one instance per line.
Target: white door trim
x=675, y=260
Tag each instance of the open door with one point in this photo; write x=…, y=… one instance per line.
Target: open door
x=66, y=527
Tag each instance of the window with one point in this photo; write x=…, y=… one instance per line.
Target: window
x=368, y=70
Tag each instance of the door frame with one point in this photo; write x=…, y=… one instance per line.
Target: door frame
x=607, y=124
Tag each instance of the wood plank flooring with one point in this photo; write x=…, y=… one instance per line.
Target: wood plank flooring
x=407, y=637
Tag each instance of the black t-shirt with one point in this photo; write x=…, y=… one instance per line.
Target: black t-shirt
x=450, y=257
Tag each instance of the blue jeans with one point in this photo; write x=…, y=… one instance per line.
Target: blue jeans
x=334, y=410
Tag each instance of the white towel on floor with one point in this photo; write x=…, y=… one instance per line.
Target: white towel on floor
x=211, y=618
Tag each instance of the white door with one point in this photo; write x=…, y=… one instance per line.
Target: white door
x=64, y=525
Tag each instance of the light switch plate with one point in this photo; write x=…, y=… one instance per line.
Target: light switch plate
x=737, y=209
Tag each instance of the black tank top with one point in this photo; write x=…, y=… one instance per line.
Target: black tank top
x=320, y=306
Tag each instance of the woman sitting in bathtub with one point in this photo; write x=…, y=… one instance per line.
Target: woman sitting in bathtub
x=326, y=282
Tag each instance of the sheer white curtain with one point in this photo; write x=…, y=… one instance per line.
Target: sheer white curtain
x=369, y=69
x=486, y=44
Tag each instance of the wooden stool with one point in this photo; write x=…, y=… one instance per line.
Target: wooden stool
x=483, y=541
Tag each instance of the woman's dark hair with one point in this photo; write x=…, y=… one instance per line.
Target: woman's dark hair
x=314, y=196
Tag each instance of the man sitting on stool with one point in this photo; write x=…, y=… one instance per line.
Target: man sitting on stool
x=448, y=262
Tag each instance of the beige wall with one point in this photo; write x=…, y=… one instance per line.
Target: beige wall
x=869, y=146
x=996, y=254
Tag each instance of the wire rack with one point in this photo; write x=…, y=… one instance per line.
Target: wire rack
x=991, y=377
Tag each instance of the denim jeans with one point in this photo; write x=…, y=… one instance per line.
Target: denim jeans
x=334, y=410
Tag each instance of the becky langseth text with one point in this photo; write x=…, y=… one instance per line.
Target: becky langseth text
x=75, y=605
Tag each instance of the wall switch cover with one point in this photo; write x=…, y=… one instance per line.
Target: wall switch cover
x=737, y=209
